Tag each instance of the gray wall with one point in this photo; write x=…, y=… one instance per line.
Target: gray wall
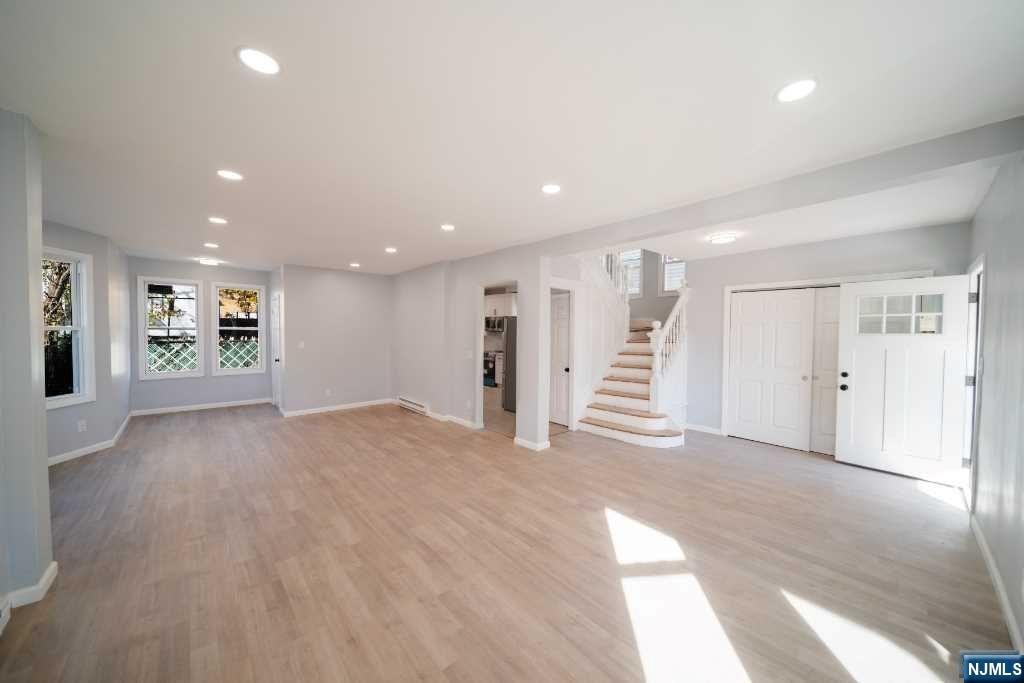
x=110, y=338
x=171, y=393
x=338, y=331
x=652, y=305
x=999, y=498
x=419, y=354
x=944, y=249
x=24, y=484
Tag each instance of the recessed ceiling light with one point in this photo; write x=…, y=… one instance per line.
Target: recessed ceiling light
x=390, y=250
x=796, y=90
x=209, y=261
x=551, y=189
x=258, y=61
x=722, y=237
x=211, y=245
x=448, y=227
x=353, y=265
x=217, y=220
x=228, y=174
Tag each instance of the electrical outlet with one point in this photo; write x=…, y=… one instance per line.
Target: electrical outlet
x=469, y=404
x=302, y=344
x=327, y=392
x=82, y=426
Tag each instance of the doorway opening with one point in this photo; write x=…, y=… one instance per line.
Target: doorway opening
x=560, y=412
x=500, y=337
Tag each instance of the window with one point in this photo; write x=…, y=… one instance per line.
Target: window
x=238, y=329
x=633, y=263
x=672, y=275
x=900, y=314
x=67, y=328
x=170, y=339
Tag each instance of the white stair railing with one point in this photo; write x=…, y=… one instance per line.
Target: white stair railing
x=668, y=375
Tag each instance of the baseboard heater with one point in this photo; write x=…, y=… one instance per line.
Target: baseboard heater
x=414, y=406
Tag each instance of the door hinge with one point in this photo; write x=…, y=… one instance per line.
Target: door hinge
x=969, y=381
x=972, y=297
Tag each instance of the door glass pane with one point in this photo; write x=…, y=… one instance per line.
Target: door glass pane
x=929, y=323
x=57, y=295
x=899, y=305
x=61, y=355
x=929, y=303
x=871, y=305
x=897, y=324
x=870, y=324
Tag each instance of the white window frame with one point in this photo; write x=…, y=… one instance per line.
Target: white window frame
x=83, y=317
x=215, y=287
x=144, y=281
x=640, y=262
x=661, y=277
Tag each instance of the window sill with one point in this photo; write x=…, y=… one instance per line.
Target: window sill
x=67, y=401
x=145, y=377
x=239, y=371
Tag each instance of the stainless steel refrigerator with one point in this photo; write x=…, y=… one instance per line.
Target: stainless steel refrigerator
x=508, y=387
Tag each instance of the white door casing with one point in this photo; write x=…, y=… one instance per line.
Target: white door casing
x=825, y=370
x=559, y=408
x=902, y=345
x=276, y=352
x=771, y=356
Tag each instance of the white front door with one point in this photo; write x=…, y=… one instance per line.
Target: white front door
x=559, y=410
x=770, y=359
x=902, y=363
x=275, y=348
x=825, y=371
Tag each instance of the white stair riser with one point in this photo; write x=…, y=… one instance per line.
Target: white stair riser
x=629, y=420
x=639, y=373
x=631, y=387
x=623, y=402
x=646, y=361
x=637, y=346
x=638, y=439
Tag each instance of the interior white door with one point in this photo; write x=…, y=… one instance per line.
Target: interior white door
x=902, y=363
x=275, y=347
x=559, y=410
x=770, y=359
x=825, y=370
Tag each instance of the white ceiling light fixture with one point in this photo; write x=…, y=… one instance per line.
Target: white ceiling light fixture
x=353, y=265
x=797, y=90
x=228, y=174
x=258, y=61
x=217, y=220
x=209, y=261
x=448, y=227
x=722, y=237
x=391, y=250
x=211, y=245
x=551, y=188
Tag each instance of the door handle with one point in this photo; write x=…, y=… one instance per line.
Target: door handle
x=277, y=360
x=844, y=373
x=844, y=387
x=567, y=369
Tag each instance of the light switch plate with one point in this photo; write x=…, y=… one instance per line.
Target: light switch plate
x=82, y=426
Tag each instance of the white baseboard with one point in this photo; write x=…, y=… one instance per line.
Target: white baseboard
x=707, y=430
x=462, y=422
x=997, y=582
x=532, y=445
x=342, y=406
x=86, y=450
x=26, y=596
x=200, y=406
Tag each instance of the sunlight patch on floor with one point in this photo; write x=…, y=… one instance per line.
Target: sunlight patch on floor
x=949, y=495
x=867, y=656
x=678, y=636
x=637, y=543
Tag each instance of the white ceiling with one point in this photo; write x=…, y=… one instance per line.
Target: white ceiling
x=950, y=197
x=390, y=118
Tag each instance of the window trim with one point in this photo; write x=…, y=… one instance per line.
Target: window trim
x=216, y=370
x=661, y=278
x=144, y=375
x=83, y=318
x=640, y=266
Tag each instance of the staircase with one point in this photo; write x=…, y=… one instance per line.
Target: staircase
x=624, y=407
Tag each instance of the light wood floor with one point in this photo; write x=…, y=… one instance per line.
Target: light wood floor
x=497, y=419
x=375, y=544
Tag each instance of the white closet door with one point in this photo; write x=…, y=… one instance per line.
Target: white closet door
x=902, y=363
x=559, y=408
x=770, y=359
x=825, y=370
